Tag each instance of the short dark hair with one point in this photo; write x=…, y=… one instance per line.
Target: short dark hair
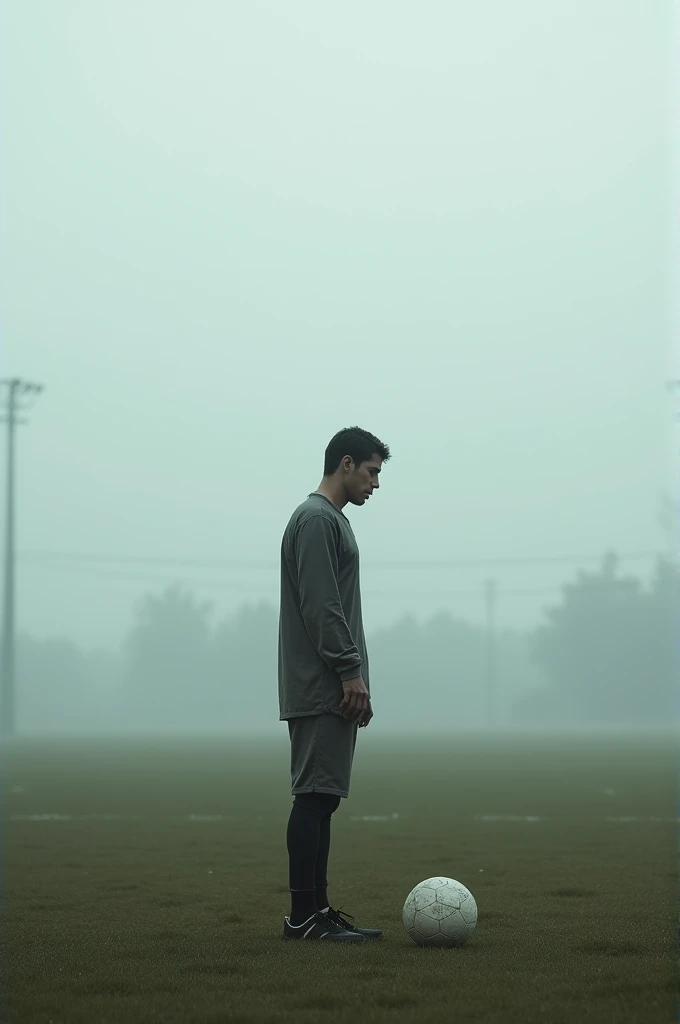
x=355, y=442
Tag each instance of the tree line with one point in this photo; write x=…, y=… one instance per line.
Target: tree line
x=605, y=654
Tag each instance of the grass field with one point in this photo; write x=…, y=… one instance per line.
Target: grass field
x=157, y=896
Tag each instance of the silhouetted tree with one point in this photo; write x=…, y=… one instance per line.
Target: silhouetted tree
x=607, y=649
x=607, y=653
x=58, y=688
x=445, y=659
x=244, y=670
x=167, y=659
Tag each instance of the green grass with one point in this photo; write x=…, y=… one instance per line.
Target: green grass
x=153, y=918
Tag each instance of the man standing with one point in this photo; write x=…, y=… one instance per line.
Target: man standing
x=324, y=692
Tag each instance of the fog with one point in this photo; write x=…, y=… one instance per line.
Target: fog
x=230, y=230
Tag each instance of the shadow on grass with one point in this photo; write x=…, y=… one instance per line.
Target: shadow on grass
x=214, y=967
x=395, y=1000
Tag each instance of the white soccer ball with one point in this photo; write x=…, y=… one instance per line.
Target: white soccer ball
x=440, y=912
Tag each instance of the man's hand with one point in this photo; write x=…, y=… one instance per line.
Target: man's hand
x=368, y=715
x=355, y=704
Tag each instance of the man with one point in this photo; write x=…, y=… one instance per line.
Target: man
x=324, y=690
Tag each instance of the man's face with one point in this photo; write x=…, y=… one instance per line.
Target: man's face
x=361, y=481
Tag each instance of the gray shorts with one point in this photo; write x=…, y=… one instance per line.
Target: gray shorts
x=321, y=753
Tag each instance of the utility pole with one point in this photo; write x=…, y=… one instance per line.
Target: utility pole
x=18, y=397
x=668, y=521
x=669, y=515
x=490, y=595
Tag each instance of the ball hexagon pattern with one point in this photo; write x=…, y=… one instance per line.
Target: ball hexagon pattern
x=440, y=912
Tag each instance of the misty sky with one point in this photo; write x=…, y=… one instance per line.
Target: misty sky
x=231, y=228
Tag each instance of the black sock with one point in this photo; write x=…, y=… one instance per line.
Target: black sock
x=303, y=840
x=321, y=866
x=321, y=892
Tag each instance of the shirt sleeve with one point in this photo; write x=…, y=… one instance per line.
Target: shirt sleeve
x=322, y=612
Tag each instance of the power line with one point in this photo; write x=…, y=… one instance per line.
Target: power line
x=247, y=588
x=219, y=562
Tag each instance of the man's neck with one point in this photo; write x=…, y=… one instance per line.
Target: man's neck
x=333, y=490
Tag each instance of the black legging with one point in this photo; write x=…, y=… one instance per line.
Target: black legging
x=308, y=840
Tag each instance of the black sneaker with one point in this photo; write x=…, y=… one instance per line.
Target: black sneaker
x=344, y=921
x=319, y=927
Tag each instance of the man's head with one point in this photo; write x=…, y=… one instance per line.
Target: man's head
x=352, y=465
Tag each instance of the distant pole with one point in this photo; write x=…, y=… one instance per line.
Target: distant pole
x=668, y=520
x=670, y=506
x=16, y=390
x=490, y=595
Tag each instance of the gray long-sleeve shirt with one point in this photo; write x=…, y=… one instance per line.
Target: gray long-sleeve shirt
x=321, y=633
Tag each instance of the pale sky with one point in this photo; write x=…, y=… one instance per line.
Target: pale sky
x=230, y=229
